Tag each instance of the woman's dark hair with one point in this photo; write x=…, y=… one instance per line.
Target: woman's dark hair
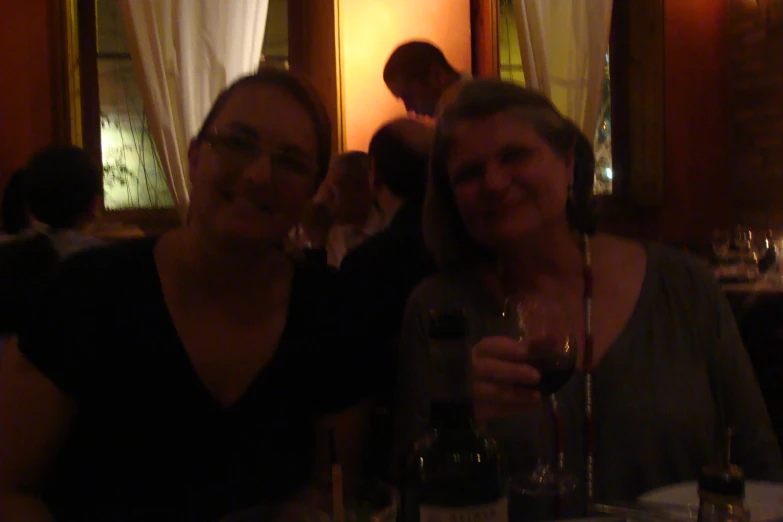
x=397, y=165
x=444, y=230
x=63, y=186
x=296, y=87
x=13, y=210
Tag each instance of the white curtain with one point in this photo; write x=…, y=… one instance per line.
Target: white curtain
x=184, y=53
x=563, y=45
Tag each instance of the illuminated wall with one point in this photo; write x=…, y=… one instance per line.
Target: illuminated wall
x=369, y=31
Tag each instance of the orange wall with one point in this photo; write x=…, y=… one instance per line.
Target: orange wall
x=26, y=81
x=369, y=31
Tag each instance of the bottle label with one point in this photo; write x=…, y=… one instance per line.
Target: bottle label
x=492, y=512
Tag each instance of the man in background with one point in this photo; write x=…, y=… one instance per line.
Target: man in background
x=418, y=74
x=357, y=216
x=380, y=274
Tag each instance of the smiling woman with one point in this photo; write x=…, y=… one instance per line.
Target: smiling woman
x=508, y=217
x=208, y=408
x=284, y=158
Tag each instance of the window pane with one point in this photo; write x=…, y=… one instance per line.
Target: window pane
x=508, y=45
x=132, y=174
x=275, y=49
x=603, y=139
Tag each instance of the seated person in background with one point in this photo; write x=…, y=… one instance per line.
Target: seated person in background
x=508, y=213
x=14, y=216
x=418, y=74
x=63, y=196
x=342, y=213
x=62, y=188
x=380, y=273
x=191, y=375
x=356, y=217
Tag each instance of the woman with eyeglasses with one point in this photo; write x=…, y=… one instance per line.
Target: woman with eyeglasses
x=191, y=375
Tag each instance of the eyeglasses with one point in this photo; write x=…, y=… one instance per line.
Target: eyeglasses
x=237, y=152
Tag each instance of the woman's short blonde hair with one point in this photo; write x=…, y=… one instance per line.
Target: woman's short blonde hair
x=445, y=233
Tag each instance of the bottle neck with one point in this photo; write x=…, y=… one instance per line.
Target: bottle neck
x=452, y=414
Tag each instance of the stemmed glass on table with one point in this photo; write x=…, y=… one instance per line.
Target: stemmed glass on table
x=542, y=324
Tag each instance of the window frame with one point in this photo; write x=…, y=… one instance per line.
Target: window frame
x=636, y=59
x=80, y=114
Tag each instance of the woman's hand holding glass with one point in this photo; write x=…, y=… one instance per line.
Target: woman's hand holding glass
x=504, y=384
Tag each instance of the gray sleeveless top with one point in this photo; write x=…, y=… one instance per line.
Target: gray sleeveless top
x=656, y=391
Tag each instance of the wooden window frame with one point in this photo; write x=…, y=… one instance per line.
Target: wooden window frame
x=636, y=57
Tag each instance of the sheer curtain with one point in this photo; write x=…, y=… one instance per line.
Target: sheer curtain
x=563, y=45
x=184, y=53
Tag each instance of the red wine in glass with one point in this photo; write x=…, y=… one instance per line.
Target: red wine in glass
x=555, y=365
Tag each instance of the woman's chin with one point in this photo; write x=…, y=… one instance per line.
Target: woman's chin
x=502, y=237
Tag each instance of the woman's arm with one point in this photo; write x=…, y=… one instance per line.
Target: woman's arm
x=35, y=417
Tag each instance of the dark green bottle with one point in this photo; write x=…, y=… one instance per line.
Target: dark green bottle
x=453, y=473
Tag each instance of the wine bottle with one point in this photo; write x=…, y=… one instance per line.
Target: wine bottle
x=453, y=473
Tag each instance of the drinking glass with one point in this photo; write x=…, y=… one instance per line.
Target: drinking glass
x=542, y=324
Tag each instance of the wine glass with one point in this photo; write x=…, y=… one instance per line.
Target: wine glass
x=543, y=325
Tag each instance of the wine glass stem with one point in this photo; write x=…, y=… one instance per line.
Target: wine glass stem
x=549, y=450
x=547, y=435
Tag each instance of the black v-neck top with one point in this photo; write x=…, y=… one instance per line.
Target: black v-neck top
x=149, y=442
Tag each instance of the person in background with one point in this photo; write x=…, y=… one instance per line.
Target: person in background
x=356, y=217
x=380, y=273
x=63, y=196
x=508, y=213
x=418, y=74
x=202, y=372
x=14, y=215
x=344, y=212
x=61, y=193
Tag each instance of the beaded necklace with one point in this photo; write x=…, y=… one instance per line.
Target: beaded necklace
x=588, y=369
